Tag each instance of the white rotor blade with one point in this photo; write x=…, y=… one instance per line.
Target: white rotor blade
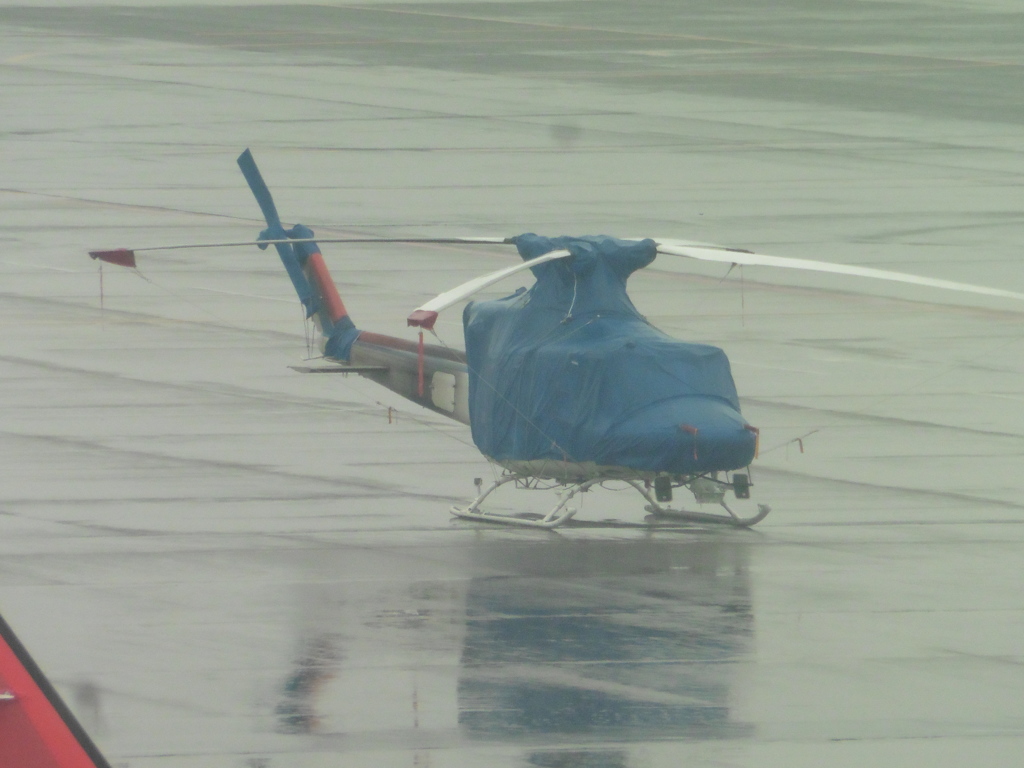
x=426, y=315
x=748, y=258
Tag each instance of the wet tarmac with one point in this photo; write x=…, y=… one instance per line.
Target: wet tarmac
x=222, y=562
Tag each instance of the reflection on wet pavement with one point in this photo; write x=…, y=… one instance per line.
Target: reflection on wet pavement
x=313, y=669
x=570, y=649
x=538, y=642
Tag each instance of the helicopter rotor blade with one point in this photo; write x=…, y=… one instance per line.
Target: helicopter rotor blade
x=259, y=188
x=749, y=258
x=120, y=255
x=426, y=315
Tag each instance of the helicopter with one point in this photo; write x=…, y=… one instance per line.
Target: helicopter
x=564, y=385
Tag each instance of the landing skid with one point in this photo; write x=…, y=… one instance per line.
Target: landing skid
x=556, y=517
x=708, y=517
x=701, y=517
x=562, y=513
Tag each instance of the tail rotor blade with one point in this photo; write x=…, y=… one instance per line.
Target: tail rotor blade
x=259, y=188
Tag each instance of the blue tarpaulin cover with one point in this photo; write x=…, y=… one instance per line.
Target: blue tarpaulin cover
x=570, y=371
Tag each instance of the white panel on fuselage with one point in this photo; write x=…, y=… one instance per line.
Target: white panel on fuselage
x=450, y=393
x=462, y=397
x=442, y=391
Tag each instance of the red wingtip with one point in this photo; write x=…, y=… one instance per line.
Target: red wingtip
x=37, y=730
x=424, y=318
x=120, y=256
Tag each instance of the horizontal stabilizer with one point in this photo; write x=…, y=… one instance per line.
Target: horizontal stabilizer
x=340, y=369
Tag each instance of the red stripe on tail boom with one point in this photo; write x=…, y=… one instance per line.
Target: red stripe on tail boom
x=335, y=307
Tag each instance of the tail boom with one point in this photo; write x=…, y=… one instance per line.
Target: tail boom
x=444, y=373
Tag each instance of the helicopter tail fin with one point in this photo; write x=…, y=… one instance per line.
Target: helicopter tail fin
x=37, y=730
x=324, y=304
x=305, y=267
